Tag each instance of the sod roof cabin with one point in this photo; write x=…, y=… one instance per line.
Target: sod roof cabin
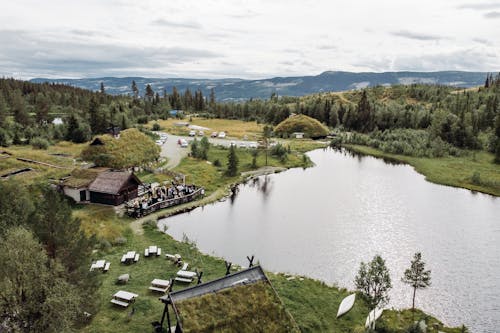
x=300, y=123
x=241, y=302
x=114, y=187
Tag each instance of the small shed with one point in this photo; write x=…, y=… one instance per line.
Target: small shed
x=114, y=187
x=298, y=135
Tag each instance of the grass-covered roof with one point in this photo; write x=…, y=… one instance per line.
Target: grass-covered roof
x=132, y=148
x=301, y=123
x=246, y=308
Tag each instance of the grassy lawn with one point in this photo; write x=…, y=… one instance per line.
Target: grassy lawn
x=62, y=154
x=233, y=128
x=102, y=221
x=312, y=304
x=453, y=171
x=204, y=173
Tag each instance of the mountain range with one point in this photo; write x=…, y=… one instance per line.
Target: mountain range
x=240, y=89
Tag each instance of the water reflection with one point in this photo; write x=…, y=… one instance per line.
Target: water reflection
x=323, y=221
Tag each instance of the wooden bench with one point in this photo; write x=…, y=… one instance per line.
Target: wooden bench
x=136, y=258
x=120, y=303
x=183, y=280
x=158, y=253
x=106, y=267
x=162, y=290
x=185, y=266
x=123, y=259
x=146, y=252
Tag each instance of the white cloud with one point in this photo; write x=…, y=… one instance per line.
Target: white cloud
x=244, y=38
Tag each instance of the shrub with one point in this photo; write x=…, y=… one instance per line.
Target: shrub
x=39, y=143
x=156, y=127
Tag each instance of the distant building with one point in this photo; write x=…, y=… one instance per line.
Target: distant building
x=238, y=302
x=175, y=113
x=298, y=135
x=57, y=121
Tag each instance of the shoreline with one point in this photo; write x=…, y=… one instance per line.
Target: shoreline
x=418, y=164
x=216, y=196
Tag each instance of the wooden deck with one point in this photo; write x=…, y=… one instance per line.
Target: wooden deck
x=140, y=212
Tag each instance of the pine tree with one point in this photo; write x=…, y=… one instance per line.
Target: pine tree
x=21, y=116
x=149, y=93
x=103, y=91
x=135, y=90
x=3, y=111
x=211, y=102
x=232, y=162
x=41, y=108
x=416, y=276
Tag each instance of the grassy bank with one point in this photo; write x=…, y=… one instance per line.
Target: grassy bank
x=313, y=304
x=452, y=171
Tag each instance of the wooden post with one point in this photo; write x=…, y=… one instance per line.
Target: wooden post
x=228, y=267
x=250, y=261
x=168, y=320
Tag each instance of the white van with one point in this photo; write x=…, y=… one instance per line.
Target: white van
x=222, y=135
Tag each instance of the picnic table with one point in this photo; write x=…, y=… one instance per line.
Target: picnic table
x=100, y=264
x=123, y=298
x=130, y=256
x=152, y=250
x=159, y=285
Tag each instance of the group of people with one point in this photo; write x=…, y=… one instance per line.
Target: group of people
x=156, y=194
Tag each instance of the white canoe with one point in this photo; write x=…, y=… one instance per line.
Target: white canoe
x=373, y=316
x=346, y=305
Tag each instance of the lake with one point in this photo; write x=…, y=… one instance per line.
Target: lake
x=321, y=222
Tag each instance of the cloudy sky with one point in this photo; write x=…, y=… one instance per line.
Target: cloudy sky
x=245, y=38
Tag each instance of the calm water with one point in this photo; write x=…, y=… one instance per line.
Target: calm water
x=323, y=221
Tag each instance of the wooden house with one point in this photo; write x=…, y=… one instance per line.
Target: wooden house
x=114, y=187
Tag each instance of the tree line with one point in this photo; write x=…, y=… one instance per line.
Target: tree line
x=447, y=117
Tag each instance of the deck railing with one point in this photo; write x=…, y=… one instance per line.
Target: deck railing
x=139, y=211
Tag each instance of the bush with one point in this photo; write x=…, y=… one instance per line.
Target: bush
x=39, y=143
x=217, y=163
x=5, y=139
x=156, y=127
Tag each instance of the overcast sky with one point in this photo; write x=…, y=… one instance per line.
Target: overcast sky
x=247, y=39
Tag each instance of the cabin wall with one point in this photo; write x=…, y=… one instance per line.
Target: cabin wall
x=74, y=193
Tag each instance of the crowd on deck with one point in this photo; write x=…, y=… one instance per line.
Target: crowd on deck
x=153, y=195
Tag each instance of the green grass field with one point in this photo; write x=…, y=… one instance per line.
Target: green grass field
x=452, y=171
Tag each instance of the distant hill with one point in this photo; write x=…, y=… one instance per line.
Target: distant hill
x=237, y=89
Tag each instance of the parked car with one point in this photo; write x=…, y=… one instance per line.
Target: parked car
x=232, y=143
x=222, y=135
x=253, y=145
x=201, y=133
x=183, y=143
x=192, y=133
x=213, y=135
x=242, y=145
x=159, y=142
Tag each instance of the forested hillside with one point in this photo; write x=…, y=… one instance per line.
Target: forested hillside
x=416, y=120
